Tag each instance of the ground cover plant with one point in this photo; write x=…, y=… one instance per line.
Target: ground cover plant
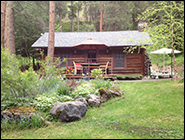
x=41, y=89
x=149, y=110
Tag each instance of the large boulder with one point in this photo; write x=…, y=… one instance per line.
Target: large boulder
x=105, y=95
x=17, y=113
x=69, y=111
x=94, y=100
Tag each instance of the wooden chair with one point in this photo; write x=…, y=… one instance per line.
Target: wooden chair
x=104, y=67
x=77, y=67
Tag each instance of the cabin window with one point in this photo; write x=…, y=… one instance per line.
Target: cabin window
x=64, y=55
x=91, y=54
x=118, y=59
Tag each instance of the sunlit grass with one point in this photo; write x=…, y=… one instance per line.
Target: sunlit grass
x=149, y=110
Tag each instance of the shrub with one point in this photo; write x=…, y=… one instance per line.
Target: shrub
x=84, y=90
x=45, y=102
x=66, y=87
x=100, y=83
x=97, y=73
x=9, y=101
x=17, y=85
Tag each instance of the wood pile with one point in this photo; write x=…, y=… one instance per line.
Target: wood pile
x=147, y=64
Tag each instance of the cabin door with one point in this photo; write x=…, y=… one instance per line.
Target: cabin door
x=91, y=55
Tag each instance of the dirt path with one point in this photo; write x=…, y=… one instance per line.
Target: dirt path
x=144, y=80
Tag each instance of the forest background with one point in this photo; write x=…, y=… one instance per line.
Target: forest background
x=31, y=19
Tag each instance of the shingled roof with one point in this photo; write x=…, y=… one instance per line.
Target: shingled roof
x=109, y=38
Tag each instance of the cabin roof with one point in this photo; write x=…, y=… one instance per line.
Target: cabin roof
x=109, y=38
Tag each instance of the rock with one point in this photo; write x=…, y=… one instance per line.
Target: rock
x=69, y=111
x=105, y=95
x=81, y=99
x=114, y=92
x=94, y=100
x=16, y=113
x=118, y=89
x=116, y=82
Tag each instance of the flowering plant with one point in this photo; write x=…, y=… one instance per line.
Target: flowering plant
x=69, y=70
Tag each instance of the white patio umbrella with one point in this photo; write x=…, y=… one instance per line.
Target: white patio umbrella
x=164, y=51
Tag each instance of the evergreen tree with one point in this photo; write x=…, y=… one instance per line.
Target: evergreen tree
x=61, y=10
x=3, y=10
x=51, y=41
x=79, y=8
x=9, y=37
x=72, y=14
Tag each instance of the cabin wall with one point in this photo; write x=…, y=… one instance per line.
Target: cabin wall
x=133, y=63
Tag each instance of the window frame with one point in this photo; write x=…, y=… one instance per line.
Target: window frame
x=124, y=59
x=68, y=54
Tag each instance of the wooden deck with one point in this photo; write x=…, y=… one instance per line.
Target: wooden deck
x=79, y=76
x=89, y=62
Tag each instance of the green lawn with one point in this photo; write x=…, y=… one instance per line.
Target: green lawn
x=149, y=110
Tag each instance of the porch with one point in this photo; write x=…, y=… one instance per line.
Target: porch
x=89, y=64
x=112, y=77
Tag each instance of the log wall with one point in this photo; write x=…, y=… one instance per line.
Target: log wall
x=134, y=63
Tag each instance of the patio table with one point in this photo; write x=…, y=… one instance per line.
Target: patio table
x=90, y=65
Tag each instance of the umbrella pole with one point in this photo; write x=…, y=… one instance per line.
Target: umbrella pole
x=171, y=68
x=164, y=61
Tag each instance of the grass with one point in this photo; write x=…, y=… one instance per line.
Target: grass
x=149, y=110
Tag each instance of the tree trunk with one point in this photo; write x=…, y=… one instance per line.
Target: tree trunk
x=72, y=27
x=101, y=18
x=78, y=20
x=174, y=60
x=3, y=10
x=60, y=16
x=9, y=37
x=90, y=12
x=51, y=30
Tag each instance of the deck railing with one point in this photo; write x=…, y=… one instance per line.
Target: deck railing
x=89, y=61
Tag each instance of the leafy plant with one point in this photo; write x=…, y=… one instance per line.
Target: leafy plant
x=84, y=90
x=17, y=85
x=97, y=73
x=66, y=87
x=24, y=122
x=99, y=83
x=46, y=101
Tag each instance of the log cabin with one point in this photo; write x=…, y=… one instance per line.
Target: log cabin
x=100, y=48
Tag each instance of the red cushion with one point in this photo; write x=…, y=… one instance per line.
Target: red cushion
x=78, y=66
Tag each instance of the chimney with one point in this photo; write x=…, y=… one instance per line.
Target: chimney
x=142, y=25
x=101, y=18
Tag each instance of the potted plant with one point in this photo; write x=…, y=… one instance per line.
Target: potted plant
x=69, y=70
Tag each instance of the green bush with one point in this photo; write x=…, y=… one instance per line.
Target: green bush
x=84, y=90
x=97, y=73
x=100, y=83
x=66, y=87
x=46, y=101
x=17, y=85
x=9, y=101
